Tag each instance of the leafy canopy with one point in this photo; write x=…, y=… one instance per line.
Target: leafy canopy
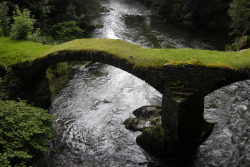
x=23, y=24
x=240, y=17
x=24, y=132
x=66, y=31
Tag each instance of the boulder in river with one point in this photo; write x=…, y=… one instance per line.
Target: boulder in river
x=146, y=116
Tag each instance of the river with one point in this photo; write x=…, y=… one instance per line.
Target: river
x=91, y=109
x=130, y=20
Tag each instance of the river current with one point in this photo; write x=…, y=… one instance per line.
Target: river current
x=91, y=109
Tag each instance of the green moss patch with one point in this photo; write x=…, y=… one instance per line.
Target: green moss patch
x=12, y=52
x=154, y=140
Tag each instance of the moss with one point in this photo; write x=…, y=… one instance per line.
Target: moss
x=99, y=26
x=154, y=139
x=58, y=76
x=12, y=52
x=9, y=85
x=128, y=122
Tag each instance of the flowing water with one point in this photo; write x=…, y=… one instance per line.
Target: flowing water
x=90, y=112
x=130, y=20
x=91, y=109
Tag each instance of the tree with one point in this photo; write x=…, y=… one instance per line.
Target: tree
x=211, y=14
x=23, y=24
x=4, y=19
x=240, y=22
x=66, y=31
x=47, y=13
x=240, y=17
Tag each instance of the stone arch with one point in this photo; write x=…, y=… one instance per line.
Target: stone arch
x=32, y=73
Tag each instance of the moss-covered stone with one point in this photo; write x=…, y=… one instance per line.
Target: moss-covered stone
x=158, y=142
x=13, y=52
x=153, y=140
x=146, y=116
x=128, y=122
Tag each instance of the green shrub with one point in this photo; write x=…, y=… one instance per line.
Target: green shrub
x=35, y=37
x=23, y=24
x=9, y=84
x=66, y=31
x=24, y=132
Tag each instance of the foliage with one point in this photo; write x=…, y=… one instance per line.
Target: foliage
x=196, y=12
x=47, y=15
x=79, y=11
x=240, y=14
x=214, y=15
x=8, y=85
x=39, y=38
x=240, y=21
x=23, y=24
x=89, y=8
x=66, y=31
x=1, y=30
x=24, y=132
x=58, y=76
x=35, y=36
x=41, y=10
x=57, y=70
x=4, y=19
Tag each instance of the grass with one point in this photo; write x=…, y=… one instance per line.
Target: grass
x=12, y=52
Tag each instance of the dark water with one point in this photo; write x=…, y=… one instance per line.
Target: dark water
x=91, y=109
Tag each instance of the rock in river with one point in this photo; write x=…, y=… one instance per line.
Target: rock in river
x=146, y=116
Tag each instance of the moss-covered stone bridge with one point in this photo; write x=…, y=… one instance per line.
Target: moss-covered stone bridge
x=183, y=76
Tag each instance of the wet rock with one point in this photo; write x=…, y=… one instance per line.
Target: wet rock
x=105, y=101
x=229, y=143
x=156, y=120
x=155, y=101
x=136, y=124
x=147, y=112
x=146, y=116
x=148, y=120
